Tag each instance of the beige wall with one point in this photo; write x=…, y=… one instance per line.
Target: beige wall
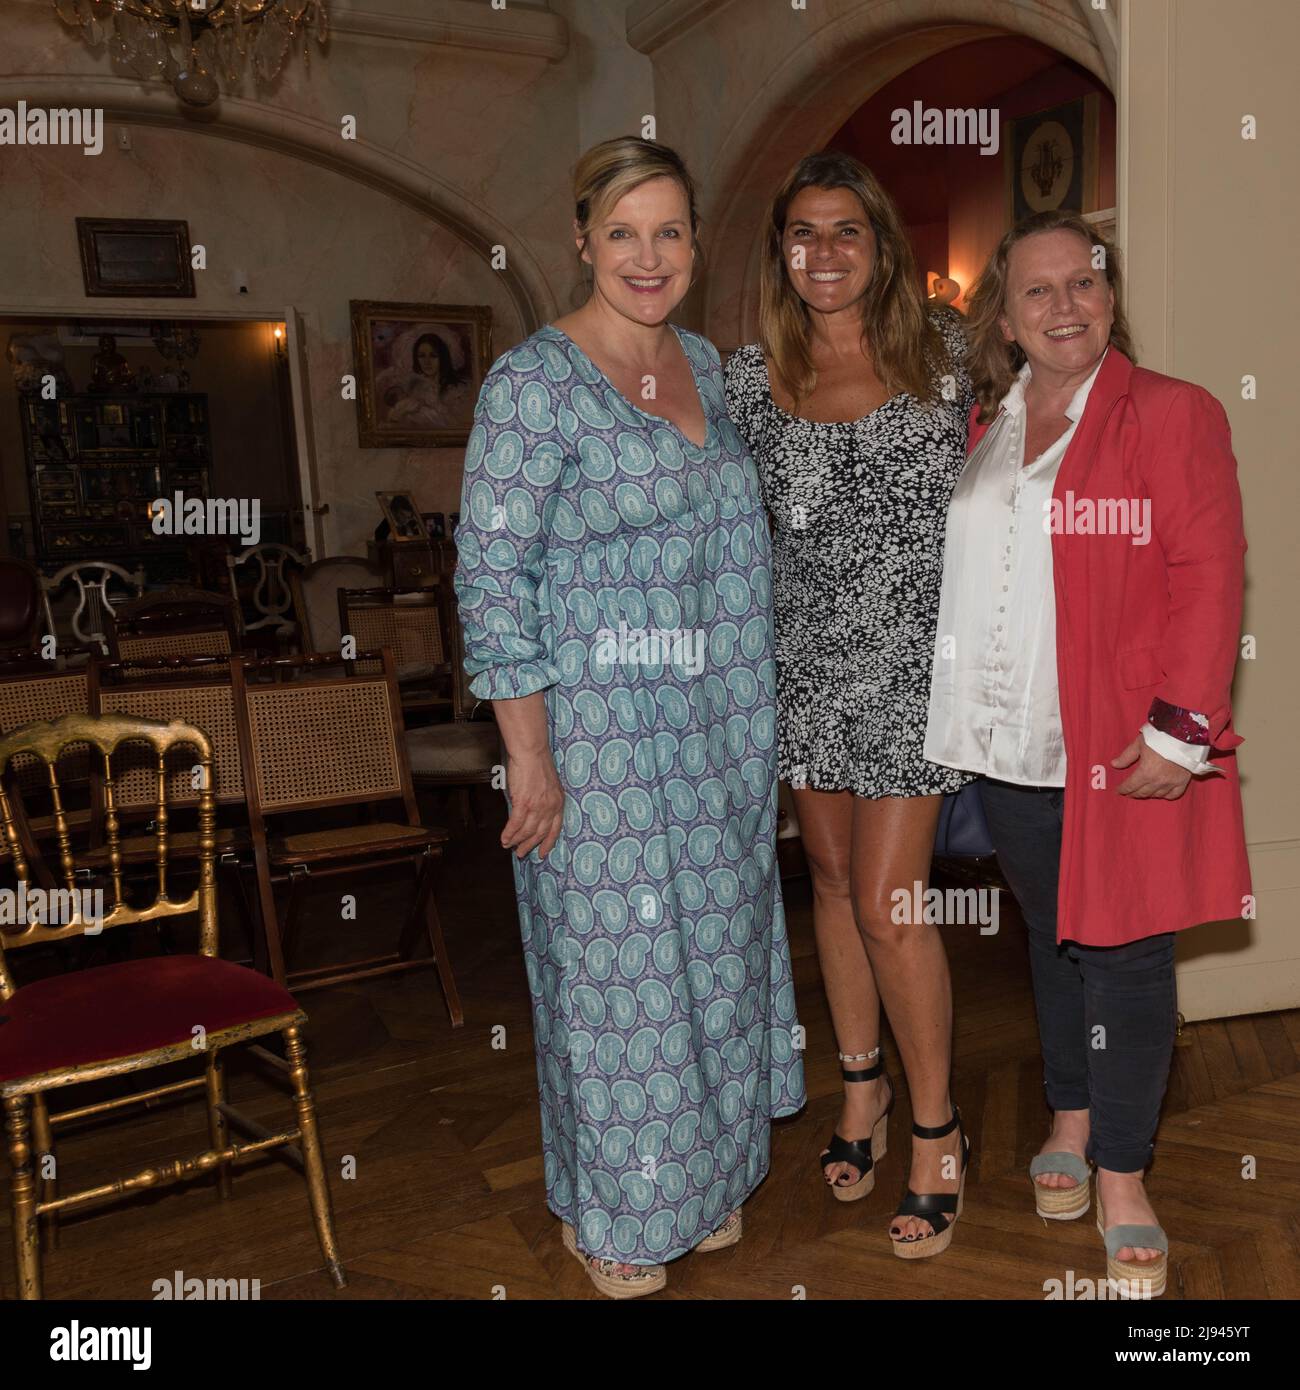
x=465, y=140
x=1209, y=222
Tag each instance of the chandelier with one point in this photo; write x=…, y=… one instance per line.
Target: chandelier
x=197, y=44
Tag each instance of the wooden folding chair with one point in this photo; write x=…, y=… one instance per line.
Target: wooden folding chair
x=315, y=743
x=110, y=1020
x=30, y=697
x=413, y=623
x=174, y=622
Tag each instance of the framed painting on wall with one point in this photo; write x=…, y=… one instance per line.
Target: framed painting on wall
x=1051, y=159
x=419, y=368
x=135, y=256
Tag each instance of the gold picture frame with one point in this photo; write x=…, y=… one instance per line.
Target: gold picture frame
x=419, y=368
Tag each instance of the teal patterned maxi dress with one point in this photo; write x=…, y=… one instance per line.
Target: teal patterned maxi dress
x=606, y=559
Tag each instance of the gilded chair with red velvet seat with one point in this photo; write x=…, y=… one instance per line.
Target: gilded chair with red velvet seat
x=112, y=1020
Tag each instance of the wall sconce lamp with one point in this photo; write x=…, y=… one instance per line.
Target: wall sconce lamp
x=943, y=291
x=280, y=343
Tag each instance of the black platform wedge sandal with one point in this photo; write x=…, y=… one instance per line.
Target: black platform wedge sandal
x=863, y=1154
x=940, y=1209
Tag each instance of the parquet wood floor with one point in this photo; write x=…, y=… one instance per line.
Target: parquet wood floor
x=440, y=1132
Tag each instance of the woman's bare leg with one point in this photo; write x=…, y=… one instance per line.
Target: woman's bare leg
x=826, y=830
x=893, y=842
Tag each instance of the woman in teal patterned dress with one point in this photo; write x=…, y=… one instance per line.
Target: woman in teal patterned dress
x=615, y=592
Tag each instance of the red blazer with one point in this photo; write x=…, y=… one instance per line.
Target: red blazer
x=1137, y=621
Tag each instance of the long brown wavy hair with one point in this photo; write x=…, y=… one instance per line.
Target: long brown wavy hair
x=992, y=361
x=904, y=346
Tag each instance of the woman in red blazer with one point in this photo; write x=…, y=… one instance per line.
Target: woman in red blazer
x=1088, y=630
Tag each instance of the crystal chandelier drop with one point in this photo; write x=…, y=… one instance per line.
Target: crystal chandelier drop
x=198, y=44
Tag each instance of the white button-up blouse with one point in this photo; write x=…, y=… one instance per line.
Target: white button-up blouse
x=993, y=703
x=994, y=707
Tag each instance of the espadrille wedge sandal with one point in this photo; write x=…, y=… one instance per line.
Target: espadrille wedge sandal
x=728, y=1233
x=940, y=1209
x=1136, y=1279
x=647, y=1279
x=863, y=1154
x=1061, y=1203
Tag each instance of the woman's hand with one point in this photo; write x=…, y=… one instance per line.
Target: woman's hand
x=536, y=804
x=1154, y=776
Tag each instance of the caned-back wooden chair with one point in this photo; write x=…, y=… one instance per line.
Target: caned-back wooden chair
x=29, y=697
x=174, y=622
x=414, y=623
x=113, y=1020
x=320, y=742
x=316, y=596
x=176, y=688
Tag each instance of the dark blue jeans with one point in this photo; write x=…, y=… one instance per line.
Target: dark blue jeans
x=1106, y=1014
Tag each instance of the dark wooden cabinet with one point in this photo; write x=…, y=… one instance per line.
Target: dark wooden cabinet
x=414, y=564
x=95, y=463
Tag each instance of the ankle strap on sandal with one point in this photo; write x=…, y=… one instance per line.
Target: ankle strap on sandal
x=938, y=1131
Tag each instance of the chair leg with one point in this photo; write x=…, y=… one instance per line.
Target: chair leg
x=290, y=922
x=218, y=1128
x=27, y=1250
x=426, y=902
x=43, y=1135
x=318, y=1191
x=270, y=919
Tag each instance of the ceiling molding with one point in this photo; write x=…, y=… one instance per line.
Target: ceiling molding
x=520, y=29
x=653, y=23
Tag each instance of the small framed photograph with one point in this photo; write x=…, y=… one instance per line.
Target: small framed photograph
x=135, y=256
x=419, y=369
x=405, y=524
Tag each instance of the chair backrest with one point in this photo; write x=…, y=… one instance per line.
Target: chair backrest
x=174, y=622
x=413, y=623
x=20, y=602
x=71, y=913
x=30, y=698
x=316, y=596
x=101, y=588
x=320, y=741
x=171, y=692
x=271, y=563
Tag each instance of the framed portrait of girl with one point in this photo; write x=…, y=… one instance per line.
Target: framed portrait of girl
x=419, y=368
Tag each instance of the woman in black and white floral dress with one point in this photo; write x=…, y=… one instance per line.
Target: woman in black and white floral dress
x=855, y=407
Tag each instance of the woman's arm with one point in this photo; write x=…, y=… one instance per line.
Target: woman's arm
x=512, y=472
x=536, y=796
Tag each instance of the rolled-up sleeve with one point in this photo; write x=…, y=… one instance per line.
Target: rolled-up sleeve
x=513, y=462
x=1196, y=511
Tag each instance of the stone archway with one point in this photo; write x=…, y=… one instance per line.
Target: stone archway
x=775, y=110
x=315, y=142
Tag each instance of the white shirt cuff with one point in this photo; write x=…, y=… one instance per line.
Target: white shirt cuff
x=1193, y=756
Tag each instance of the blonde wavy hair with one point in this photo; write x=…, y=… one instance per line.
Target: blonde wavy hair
x=905, y=347
x=993, y=362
